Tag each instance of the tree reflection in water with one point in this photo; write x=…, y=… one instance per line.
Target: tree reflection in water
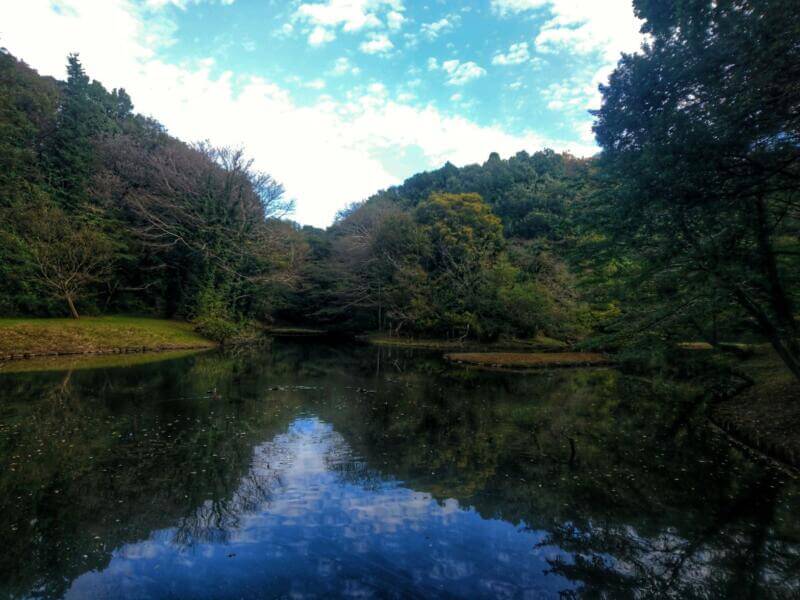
x=232, y=475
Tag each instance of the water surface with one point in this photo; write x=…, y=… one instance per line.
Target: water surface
x=311, y=470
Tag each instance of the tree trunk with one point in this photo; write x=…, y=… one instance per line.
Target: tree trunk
x=779, y=300
x=72, y=309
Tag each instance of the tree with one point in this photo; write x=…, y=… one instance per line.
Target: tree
x=68, y=257
x=70, y=153
x=701, y=139
x=27, y=111
x=27, y=108
x=360, y=270
x=205, y=215
x=466, y=240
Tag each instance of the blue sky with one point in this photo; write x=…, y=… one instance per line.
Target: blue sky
x=338, y=98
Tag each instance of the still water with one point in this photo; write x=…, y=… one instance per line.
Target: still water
x=309, y=470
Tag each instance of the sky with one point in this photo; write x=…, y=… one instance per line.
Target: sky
x=340, y=98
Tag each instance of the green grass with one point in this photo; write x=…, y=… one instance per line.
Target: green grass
x=21, y=337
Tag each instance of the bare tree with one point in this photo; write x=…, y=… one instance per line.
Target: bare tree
x=68, y=257
x=205, y=201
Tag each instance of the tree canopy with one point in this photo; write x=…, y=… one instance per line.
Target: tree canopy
x=701, y=145
x=686, y=226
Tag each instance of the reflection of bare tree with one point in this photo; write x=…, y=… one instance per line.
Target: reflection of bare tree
x=350, y=469
x=607, y=468
x=356, y=472
x=617, y=561
x=215, y=519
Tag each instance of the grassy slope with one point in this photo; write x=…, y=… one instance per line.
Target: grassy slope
x=94, y=334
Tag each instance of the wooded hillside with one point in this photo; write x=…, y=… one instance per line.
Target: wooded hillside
x=685, y=227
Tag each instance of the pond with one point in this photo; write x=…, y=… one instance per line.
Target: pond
x=305, y=469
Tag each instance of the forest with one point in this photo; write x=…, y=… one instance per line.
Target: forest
x=685, y=227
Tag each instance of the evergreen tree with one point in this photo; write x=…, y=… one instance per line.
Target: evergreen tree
x=701, y=134
x=71, y=154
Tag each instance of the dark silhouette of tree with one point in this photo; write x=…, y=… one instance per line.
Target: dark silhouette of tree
x=701, y=135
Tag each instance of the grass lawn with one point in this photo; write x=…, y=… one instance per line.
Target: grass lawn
x=20, y=337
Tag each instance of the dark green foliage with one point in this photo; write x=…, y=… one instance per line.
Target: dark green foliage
x=496, y=259
x=68, y=257
x=103, y=209
x=81, y=117
x=686, y=228
x=28, y=106
x=530, y=193
x=422, y=260
x=701, y=138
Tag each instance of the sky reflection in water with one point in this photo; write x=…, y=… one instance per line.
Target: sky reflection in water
x=296, y=526
x=312, y=470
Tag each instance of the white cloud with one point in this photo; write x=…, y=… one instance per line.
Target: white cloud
x=608, y=26
x=313, y=84
x=432, y=30
x=348, y=143
x=352, y=16
x=182, y=4
x=320, y=35
x=461, y=73
x=507, y=7
x=433, y=64
x=605, y=28
x=576, y=95
x=517, y=54
x=349, y=15
x=343, y=66
x=394, y=20
x=376, y=43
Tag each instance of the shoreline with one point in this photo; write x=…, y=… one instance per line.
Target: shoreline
x=24, y=339
x=763, y=418
x=521, y=362
x=7, y=358
x=541, y=344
